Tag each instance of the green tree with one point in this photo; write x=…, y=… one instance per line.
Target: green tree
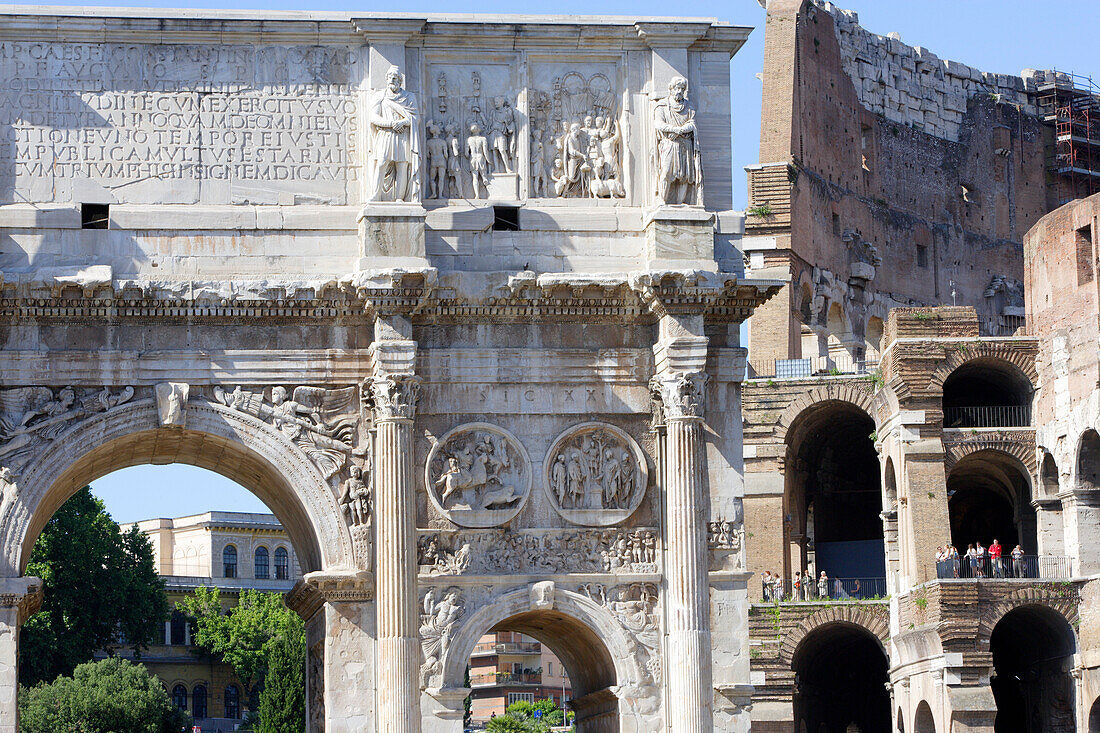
x=100, y=586
x=283, y=699
x=109, y=696
x=527, y=717
x=247, y=636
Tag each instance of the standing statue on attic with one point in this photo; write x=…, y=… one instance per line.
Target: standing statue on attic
x=679, y=164
x=394, y=142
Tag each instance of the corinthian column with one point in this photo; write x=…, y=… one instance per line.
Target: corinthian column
x=690, y=686
x=398, y=683
x=20, y=598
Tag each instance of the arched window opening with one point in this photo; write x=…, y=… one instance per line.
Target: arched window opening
x=832, y=697
x=873, y=339
x=198, y=702
x=261, y=563
x=1033, y=649
x=229, y=561
x=1048, y=476
x=282, y=563
x=178, y=629
x=989, y=498
x=232, y=702
x=1088, y=461
x=923, y=722
x=901, y=721
x=987, y=393
x=835, y=497
x=179, y=697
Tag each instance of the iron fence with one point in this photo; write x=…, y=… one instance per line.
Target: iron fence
x=988, y=416
x=832, y=589
x=1002, y=325
x=814, y=366
x=1036, y=567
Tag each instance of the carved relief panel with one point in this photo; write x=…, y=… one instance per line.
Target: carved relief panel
x=472, y=130
x=596, y=474
x=478, y=475
x=577, y=128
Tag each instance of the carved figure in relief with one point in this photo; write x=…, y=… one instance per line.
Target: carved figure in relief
x=171, y=399
x=679, y=170
x=355, y=498
x=437, y=162
x=539, y=175
x=502, y=134
x=395, y=148
x=437, y=622
x=322, y=422
x=477, y=470
x=30, y=417
x=454, y=163
x=596, y=472
x=8, y=492
x=477, y=149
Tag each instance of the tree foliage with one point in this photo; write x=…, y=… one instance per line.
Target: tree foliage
x=527, y=717
x=248, y=636
x=283, y=699
x=100, y=586
x=109, y=696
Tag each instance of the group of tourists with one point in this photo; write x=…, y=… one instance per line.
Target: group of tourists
x=801, y=587
x=980, y=562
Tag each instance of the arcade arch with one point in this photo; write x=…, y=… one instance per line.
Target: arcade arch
x=1033, y=648
x=989, y=497
x=923, y=722
x=606, y=638
x=1088, y=460
x=1094, y=717
x=831, y=695
x=834, y=497
x=986, y=393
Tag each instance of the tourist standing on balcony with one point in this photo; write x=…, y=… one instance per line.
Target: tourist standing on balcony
x=823, y=585
x=982, y=562
x=766, y=584
x=777, y=587
x=1017, y=562
x=972, y=560
x=995, y=558
x=953, y=556
x=796, y=586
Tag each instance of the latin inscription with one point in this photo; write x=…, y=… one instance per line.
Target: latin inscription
x=178, y=124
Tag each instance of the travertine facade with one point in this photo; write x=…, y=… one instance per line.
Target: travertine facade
x=440, y=291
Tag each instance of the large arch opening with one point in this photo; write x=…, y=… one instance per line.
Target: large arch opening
x=1048, y=476
x=989, y=498
x=1088, y=461
x=834, y=494
x=1033, y=648
x=987, y=393
x=544, y=655
x=840, y=680
x=1094, y=717
x=923, y=722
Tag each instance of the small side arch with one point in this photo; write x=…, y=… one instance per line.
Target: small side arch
x=1088, y=460
x=850, y=615
x=858, y=395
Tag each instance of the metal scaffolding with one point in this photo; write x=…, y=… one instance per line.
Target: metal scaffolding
x=1071, y=104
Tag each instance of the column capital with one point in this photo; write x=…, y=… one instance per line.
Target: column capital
x=316, y=588
x=393, y=388
x=23, y=594
x=680, y=395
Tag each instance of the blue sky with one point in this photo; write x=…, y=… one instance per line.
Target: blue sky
x=1003, y=36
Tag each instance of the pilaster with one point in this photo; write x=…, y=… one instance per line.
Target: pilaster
x=19, y=599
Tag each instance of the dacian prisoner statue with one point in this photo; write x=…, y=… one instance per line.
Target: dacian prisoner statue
x=394, y=143
x=679, y=164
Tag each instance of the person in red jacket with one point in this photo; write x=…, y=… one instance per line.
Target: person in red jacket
x=995, y=557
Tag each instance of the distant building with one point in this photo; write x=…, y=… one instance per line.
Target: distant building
x=507, y=667
x=230, y=551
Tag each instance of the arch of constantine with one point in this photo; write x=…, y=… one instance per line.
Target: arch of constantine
x=458, y=300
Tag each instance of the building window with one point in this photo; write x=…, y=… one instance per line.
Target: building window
x=282, y=564
x=179, y=629
x=514, y=697
x=922, y=256
x=179, y=697
x=232, y=702
x=261, y=563
x=198, y=702
x=229, y=561
x=1083, y=240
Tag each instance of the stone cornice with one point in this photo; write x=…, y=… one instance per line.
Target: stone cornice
x=23, y=594
x=315, y=589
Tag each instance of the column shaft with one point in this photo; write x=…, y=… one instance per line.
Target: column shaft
x=690, y=689
x=398, y=686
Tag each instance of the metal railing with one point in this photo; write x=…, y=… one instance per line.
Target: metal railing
x=509, y=647
x=507, y=678
x=813, y=366
x=1002, y=325
x=834, y=589
x=1036, y=567
x=988, y=416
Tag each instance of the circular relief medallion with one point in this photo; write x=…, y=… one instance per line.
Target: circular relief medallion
x=596, y=474
x=478, y=475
